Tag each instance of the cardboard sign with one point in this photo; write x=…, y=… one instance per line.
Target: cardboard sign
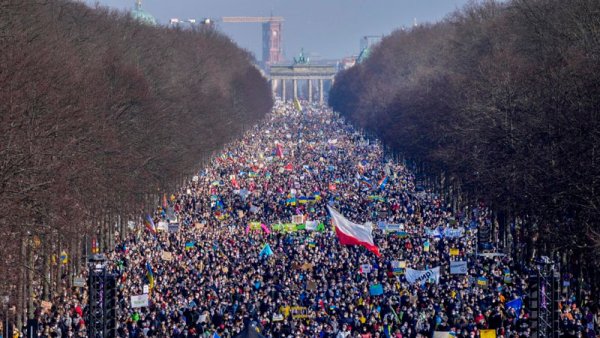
x=162, y=226
x=173, y=227
x=299, y=312
x=307, y=266
x=46, y=306
x=139, y=301
x=78, y=282
x=167, y=256
x=365, y=268
x=458, y=268
x=311, y=286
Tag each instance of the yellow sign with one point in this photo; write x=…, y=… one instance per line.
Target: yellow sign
x=454, y=252
x=254, y=225
x=487, y=333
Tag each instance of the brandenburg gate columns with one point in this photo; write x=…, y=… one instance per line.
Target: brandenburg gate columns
x=283, y=98
x=295, y=89
x=321, y=91
x=301, y=72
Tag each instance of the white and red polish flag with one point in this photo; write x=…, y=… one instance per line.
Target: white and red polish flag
x=351, y=233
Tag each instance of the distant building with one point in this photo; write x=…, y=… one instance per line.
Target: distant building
x=139, y=14
x=366, y=46
x=347, y=62
x=369, y=41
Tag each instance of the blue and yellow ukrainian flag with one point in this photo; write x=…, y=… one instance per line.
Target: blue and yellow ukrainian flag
x=150, y=275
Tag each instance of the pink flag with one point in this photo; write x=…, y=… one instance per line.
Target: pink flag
x=265, y=228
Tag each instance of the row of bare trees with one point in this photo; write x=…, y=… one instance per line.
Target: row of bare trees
x=100, y=114
x=502, y=99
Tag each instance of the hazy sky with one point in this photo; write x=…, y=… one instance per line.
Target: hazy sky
x=324, y=28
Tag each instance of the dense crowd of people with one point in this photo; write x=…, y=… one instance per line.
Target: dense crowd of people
x=249, y=240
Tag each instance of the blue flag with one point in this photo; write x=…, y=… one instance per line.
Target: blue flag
x=516, y=304
x=376, y=290
x=383, y=182
x=266, y=251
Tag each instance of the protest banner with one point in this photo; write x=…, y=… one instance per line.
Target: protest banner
x=422, y=276
x=454, y=252
x=458, y=267
x=139, y=301
x=299, y=312
x=453, y=233
x=433, y=232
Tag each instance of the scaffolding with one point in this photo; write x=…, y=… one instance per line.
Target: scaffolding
x=102, y=316
x=544, y=294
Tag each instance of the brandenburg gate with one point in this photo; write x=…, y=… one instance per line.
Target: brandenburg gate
x=301, y=71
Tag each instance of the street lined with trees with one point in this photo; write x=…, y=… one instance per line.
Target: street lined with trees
x=498, y=102
x=99, y=116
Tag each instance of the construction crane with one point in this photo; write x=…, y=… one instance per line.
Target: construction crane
x=271, y=30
